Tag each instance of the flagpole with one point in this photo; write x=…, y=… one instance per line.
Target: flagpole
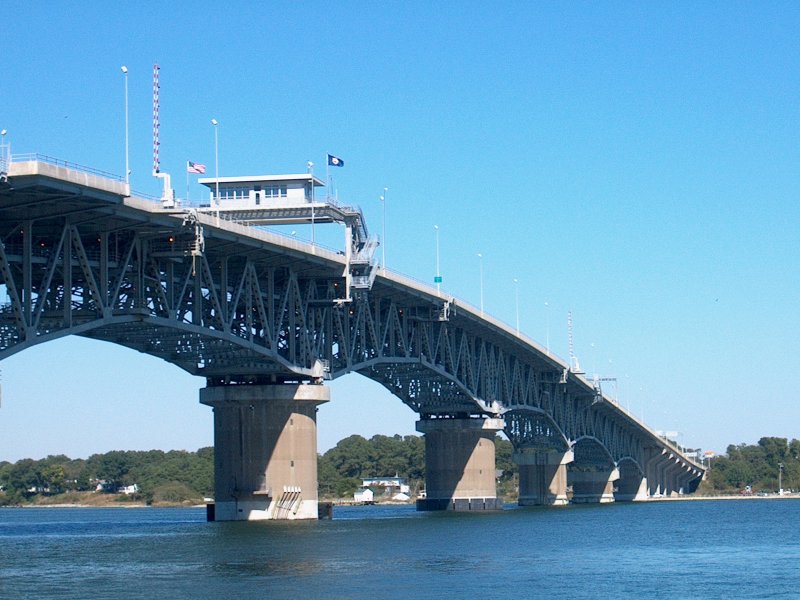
x=327, y=177
x=187, y=182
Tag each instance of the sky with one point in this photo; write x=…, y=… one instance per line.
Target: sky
x=635, y=164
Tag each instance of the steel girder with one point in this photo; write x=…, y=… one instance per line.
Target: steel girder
x=221, y=303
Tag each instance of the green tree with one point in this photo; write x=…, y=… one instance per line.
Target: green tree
x=414, y=451
x=112, y=467
x=757, y=465
x=175, y=492
x=351, y=457
x=347, y=486
x=328, y=477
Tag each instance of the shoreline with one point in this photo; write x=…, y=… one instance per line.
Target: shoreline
x=724, y=497
x=684, y=498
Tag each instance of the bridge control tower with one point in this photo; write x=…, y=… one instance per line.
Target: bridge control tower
x=266, y=199
x=291, y=200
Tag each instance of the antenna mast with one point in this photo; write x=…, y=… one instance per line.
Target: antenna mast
x=575, y=366
x=168, y=196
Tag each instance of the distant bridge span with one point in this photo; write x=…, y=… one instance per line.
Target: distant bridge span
x=266, y=319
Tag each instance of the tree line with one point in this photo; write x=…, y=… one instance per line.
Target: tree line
x=180, y=476
x=354, y=458
x=771, y=463
x=175, y=476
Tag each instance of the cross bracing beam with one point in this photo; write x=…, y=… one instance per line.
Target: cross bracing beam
x=239, y=304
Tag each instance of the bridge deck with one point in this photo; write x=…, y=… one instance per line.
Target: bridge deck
x=257, y=303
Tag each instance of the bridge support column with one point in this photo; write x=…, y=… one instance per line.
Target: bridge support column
x=542, y=477
x=265, y=450
x=672, y=478
x=632, y=484
x=460, y=464
x=654, y=472
x=593, y=486
x=689, y=480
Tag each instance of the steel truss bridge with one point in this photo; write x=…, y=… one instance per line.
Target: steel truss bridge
x=237, y=304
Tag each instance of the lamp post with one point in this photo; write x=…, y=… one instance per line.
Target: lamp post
x=480, y=263
x=516, y=301
x=438, y=278
x=215, y=123
x=124, y=70
x=547, y=337
x=5, y=154
x=383, y=235
x=310, y=168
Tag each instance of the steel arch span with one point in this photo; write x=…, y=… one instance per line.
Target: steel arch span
x=240, y=305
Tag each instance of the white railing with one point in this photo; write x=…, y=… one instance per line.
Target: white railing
x=5, y=159
x=35, y=157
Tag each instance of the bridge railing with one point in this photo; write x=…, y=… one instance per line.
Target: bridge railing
x=463, y=304
x=31, y=157
x=5, y=157
x=511, y=330
x=269, y=235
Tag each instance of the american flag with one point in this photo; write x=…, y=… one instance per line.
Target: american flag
x=195, y=168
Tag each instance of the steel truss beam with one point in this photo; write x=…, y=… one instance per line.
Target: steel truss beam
x=234, y=311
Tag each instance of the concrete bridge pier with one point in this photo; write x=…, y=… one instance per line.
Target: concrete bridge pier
x=632, y=484
x=460, y=464
x=593, y=486
x=674, y=472
x=542, y=477
x=654, y=472
x=688, y=480
x=265, y=450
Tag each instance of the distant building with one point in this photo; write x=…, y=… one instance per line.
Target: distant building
x=108, y=487
x=364, y=495
x=394, y=488
x=390, y=485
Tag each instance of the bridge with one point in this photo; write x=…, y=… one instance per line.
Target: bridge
x=267, y=319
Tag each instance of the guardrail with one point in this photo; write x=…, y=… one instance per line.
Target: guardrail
x=63, y=163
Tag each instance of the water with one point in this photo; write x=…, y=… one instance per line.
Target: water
x=701, y=549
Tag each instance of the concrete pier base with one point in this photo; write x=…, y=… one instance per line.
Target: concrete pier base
x=542, y=477
x=265, y=450
x=654, y=473
x=593, y=486
x=460, y=464
x=632, y=484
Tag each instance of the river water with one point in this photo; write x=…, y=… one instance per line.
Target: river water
x=697, y=549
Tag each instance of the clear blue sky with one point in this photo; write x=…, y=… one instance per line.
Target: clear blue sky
x=635, y=163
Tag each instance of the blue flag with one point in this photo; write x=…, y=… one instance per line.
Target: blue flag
x=335, y=161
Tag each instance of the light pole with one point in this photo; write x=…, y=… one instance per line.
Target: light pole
x=310, y=167
x=124, y=70
x=516, y=301
x=215, y=123
x=383, y=235
x=547, y=337
x=5, y=154
x=480, y=263
x=438, y=278
x=780, y=479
